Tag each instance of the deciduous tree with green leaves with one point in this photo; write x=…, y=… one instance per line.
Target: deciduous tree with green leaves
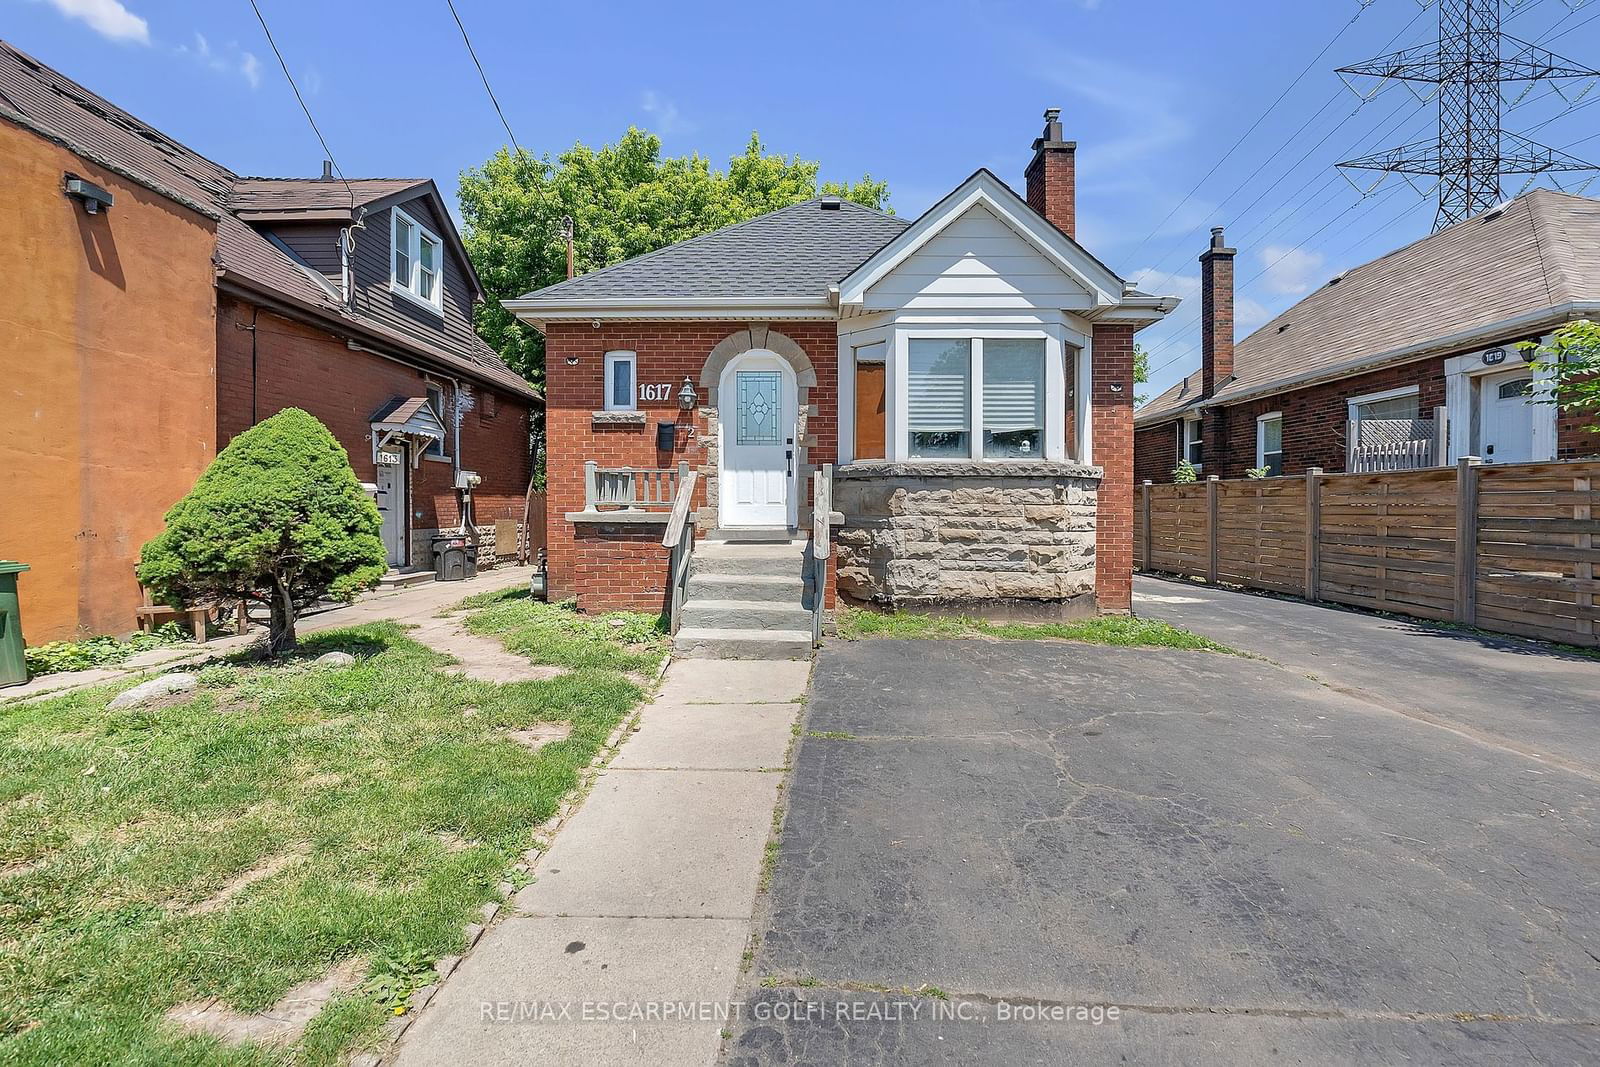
x=625, y=199
x=1572, y=359
x=278, y=518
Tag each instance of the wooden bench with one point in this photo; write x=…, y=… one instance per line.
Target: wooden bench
x=151, y=615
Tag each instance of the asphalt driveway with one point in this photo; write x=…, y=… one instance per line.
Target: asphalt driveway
x=989, y=843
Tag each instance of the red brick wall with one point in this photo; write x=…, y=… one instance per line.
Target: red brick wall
x=619, y=568
x=1113, y=451
x=1052, y=187
x=301, y=366
x=667, y=352
x=1155, y=453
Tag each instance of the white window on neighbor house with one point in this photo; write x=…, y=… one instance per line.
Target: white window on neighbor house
x=939, y=398
x=620, y=378
x=1189, y=447
x=1269, y=442
x=417, y=263
x=435, y=449
x=1391, y=404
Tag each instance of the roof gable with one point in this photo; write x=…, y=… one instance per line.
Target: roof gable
x=998, y=201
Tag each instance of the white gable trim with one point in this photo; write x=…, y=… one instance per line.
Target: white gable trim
x=984, y=188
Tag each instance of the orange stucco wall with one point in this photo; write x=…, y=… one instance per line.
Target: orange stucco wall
x=107, y=382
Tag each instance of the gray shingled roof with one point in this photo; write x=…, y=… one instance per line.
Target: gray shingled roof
x=46, y=101
x=1541, y=252
x=794, y=252
x=253, y=196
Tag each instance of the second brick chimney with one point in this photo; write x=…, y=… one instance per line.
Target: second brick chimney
x=1053, y=174
x=1216, y=314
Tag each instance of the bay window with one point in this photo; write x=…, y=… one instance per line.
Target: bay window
x=939, y=398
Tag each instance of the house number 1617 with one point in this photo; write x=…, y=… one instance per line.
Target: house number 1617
x=655, y=391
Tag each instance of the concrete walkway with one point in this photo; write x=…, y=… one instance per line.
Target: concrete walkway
x=631, y=938
x=417, y=604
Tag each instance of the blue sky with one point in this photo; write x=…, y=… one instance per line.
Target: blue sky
x=1155, y=93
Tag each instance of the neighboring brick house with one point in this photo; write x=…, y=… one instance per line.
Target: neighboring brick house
x=1407, y=361
x=969, y=375
x=170, y=304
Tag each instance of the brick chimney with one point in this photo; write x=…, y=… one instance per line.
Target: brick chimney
x=1053, y=174
x=1216, y=314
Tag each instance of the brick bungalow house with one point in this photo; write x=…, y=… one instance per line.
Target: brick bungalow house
x=967, y=376
x=1406, y=361
x=170, y=304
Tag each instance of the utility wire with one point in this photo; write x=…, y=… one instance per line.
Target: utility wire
x=1259, y=120
x=473, y=52
x=290, y=77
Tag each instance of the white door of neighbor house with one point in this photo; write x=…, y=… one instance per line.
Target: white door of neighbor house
x=1506, y=409
x=392, y=468
x=757, y=399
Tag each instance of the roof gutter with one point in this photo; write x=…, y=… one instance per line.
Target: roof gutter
x=538, y=313
x=1462, y=339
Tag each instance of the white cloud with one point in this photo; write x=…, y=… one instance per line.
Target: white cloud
x=230, y=60
x=1247, y=312
x=1291, y=270
x=108, y=18
x=667, y=118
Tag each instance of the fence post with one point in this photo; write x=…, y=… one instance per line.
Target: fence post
x=1145, y=519
x=1313, y=583
x=1441, y=436
x=1211, y=529
x=1467, y=539
x=591, y=488
x=1583, y=570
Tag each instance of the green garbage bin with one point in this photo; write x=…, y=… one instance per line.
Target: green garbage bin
x=13, y=668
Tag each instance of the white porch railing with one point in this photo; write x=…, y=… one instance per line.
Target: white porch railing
x=638, y=488
x=1378, y=445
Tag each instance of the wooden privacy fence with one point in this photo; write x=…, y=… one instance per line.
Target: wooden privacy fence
x=1506, y=548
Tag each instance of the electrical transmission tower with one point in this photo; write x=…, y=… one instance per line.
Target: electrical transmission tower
x=1468, y=65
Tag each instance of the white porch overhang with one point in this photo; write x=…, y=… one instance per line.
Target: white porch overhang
x=406, y=420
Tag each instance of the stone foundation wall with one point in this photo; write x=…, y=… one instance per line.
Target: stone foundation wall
x=928, y=535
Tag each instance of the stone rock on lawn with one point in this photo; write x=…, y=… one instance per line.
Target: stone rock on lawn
x=335, y=659
x=144, y=692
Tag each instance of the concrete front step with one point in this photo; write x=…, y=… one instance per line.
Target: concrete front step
x=697, y=642
x=765, y=588
x=779, y=559
x=402, y=579
x=745, y=615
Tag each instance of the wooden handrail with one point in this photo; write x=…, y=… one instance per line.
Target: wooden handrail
x=679, y=519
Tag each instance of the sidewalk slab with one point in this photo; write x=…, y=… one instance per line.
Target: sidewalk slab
x=718, y=737
x=659, y=843
x=732, y=681
x=497, y=1006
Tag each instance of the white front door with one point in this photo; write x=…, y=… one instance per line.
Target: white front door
x=1506, y=408
x=757, y=397
x=392, y=467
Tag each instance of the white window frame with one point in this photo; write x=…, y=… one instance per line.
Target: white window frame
x=1353, y=404
x=435, y=449
x=632, y=360
x=1184, y=441
x=410, y=288
x=1261, y=438
x=899, y=430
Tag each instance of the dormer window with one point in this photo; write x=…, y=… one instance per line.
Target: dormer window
x=418, y=253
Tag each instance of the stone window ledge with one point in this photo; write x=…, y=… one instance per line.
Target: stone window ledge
x=618, y=418
x=642, y=518
x=958, y=468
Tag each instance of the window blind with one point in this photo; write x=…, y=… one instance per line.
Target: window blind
x=938, y=382
x=1013, y=385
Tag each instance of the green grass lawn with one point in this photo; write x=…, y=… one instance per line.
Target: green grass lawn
x=856, y=624
x=389, y=786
